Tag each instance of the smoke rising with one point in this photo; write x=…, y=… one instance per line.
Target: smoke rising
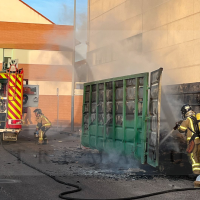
x=66, y=15
x=116, y=51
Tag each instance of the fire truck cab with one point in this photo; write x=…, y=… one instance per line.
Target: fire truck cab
x=13, y=98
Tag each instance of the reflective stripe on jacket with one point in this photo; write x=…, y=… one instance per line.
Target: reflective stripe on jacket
x=187, y=125
x=42, y=121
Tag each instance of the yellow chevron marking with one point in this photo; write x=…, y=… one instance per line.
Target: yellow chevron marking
x=19, y=85
x=10, y=114
x=16, y=106
x=16, y=113
x=12, y=93
x=19, y=93
x=3, y=75
x=16, y=83
x=11, y=84
x=13, y=79
x=16, y=90
x=18, y=100
x=19, y=78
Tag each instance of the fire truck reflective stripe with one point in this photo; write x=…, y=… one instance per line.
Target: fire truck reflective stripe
x=18, y=101
x=16, y=85
x=12, y=103
x=18, y=78
x=182, y=127
x=197, y=164
x=15, y=103
x=19, y=86
x=14, y=110
x=11, y=114
x=17, y=89
x=11, y=84
x=13, y=91
x=19, y=93
x=17, y=81
x=4, y=76
x=18, y=108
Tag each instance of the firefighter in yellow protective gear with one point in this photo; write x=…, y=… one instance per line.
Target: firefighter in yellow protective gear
x=191, y=124
x=43, y=125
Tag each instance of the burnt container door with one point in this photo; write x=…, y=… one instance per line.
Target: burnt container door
x=136, y=100
x=85, y=116
x=114, y=115
x=109, y=128
x=154, y=118
x=119, y=116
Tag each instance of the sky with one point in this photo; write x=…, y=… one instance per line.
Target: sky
x=59, y=11
x=62, y=12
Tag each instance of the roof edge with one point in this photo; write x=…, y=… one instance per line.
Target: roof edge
x=36, y=11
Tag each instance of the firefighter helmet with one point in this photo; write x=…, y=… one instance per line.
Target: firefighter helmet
x=38, y=111
x=186, y=108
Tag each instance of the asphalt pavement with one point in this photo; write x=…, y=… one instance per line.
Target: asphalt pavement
x=105, y=177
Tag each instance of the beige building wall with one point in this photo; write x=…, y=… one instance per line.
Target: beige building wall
x=1, y=55
x=41, y=58
x=136, y=36
x=50, y=87
x=19, y=12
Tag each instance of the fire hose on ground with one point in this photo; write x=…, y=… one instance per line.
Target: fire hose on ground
x=78, y=188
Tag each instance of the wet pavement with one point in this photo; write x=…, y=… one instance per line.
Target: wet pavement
x=100, y=175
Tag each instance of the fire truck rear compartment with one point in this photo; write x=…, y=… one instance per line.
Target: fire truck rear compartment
x=3, y=103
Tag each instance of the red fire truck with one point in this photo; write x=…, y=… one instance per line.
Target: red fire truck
x=14, y=97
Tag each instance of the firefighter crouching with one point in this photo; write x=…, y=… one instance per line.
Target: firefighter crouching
x=191, y=124
x=43, y=125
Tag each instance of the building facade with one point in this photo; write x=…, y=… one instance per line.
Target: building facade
x=135, y=36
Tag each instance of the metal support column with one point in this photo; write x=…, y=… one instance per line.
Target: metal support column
x=73, y=69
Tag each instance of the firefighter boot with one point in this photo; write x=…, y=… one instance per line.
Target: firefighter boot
x=197, y=182
x=40, y=141
x=45, y=141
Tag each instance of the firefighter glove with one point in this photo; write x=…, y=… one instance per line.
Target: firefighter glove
x=176, y=126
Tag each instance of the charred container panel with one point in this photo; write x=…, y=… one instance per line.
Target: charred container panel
x=114, y=113
x=116, y=116
x=173, y=156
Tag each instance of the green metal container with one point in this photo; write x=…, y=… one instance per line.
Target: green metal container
x=116, y=114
